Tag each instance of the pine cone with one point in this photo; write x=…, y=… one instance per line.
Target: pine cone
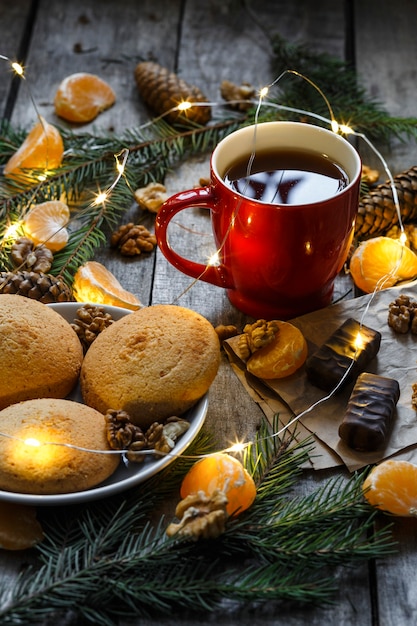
x=43, y=287
x=163, y=90
x=377, y=211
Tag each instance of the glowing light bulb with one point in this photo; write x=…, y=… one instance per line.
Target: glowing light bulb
x=237, y=447
x=403, y=238
x=214, y=259
x=335, y=126
x=12, y=231
x=31, y=441
x=263, y=92
x=346, y=130
x=359, y=342
x=184, y=106
x=100, y=198
x=17, y=68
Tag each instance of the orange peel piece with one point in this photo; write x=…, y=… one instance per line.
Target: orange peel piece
x=382, y=262
x=283, y=356
x=94, y=283
x=392, y=487
x=19, y=527
x=43, y=149
x=82, y=96
x=46, y=224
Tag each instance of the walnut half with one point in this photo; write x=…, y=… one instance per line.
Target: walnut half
x=256, y=336
x=402, y=315
x=201, y=516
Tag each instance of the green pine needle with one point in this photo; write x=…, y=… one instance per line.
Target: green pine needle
x=109, y=560
x=349, y=100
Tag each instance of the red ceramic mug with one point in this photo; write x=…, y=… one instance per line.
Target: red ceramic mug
x=278, y=254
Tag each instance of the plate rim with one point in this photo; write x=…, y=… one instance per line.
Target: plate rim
x=142, y=473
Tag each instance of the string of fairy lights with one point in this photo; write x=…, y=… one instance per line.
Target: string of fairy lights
x=102, y=197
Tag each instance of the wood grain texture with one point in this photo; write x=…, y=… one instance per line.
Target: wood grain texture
x=386, y=52
x=206, y=42
x=14, y=21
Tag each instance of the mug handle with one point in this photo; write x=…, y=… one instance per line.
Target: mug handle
x=202, y=198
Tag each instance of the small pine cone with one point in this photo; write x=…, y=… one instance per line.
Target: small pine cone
x=163, y=90
x=133, y=239
x=43, y=287
x=90, y=322
x=377, y=211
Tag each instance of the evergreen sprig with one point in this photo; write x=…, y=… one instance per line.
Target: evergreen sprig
x=108, y=561
x=338, y=81
x=88, y=168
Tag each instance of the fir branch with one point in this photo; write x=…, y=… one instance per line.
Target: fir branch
x=89, y=167
x=117, y=563
x=339, y=82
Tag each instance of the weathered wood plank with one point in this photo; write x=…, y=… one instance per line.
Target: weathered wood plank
x=104, y=38
x=13, y=18
x=219, y=39
x=386, y=49
x=219, y=43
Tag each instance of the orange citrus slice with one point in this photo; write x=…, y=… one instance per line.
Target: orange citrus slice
x=42, y=149
x=225, y=473
x=81, y=97
x=45, y=224
x=19, y=527
x=94, y=283
x=382, y=262
x=392, y=487
x=282, y=357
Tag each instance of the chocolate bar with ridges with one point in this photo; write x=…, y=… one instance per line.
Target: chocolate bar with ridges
x=370, y=412
x=326, y=367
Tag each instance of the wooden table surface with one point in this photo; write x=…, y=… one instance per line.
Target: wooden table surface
x=207, y=42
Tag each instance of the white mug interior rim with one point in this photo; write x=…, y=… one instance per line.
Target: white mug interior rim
x=293, y=135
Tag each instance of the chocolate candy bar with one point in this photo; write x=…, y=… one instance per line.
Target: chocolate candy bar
x=370, y=412
x=326, y=367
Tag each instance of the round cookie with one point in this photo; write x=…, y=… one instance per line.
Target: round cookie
x=153, y=363
x=41, y=354
x=53, y=469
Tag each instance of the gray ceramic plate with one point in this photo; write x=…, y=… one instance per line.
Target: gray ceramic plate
x=126, y=476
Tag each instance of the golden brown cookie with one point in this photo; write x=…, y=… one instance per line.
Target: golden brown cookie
x=53, y=469
x=154, y=363
x=41, y=355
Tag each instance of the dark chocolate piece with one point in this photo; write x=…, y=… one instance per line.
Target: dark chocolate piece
x=370, y=412
x=327, y=366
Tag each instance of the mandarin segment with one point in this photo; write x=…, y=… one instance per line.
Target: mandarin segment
x=95, y=284
x=283, y=356
x=224, y=473
x=45, y=224
x=392, y=487
x=42, y=149
x=19, y=527
x=82, y=96
x=382, y=262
